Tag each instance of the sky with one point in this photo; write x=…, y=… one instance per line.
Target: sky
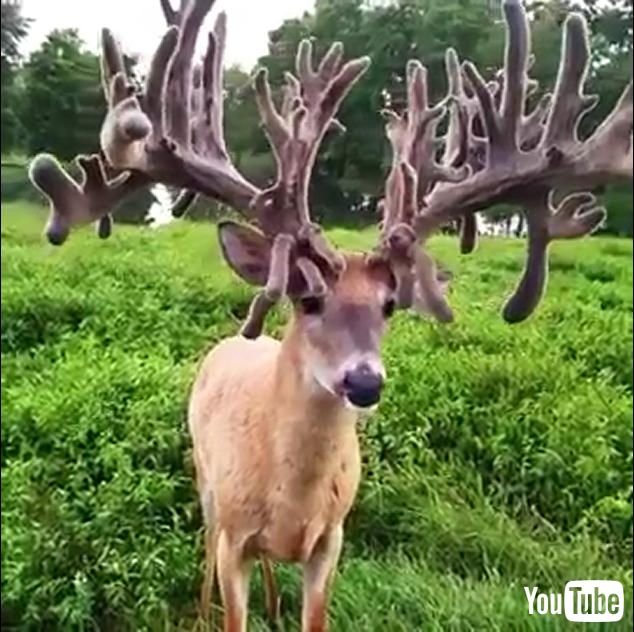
x=138, y=24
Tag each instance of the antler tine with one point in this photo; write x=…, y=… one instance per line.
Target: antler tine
x=295, y=133
x=179, y=76
x=111, y=61
x=276, y=286
x=516, y=61
x=72, y=203
x=154, y=94
x=173, y=17
x=274, y=125
x=213, y=81
x=576, y=215
x=457, y=140
x=569, y=102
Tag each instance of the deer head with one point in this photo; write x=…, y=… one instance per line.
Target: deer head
x=339, y=316
x=494, y=151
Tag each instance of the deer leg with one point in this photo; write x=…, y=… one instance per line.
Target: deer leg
x=318, y=574
x=206, y=592
x=233, y=578
x=270, y=590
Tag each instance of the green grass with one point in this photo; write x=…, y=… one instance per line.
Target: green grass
x=501, y=455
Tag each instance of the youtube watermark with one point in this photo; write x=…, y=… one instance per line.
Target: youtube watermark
x=582, y=601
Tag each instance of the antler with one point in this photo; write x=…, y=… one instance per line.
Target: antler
x=90, y=200
x=575, y=216
x=162, y=135
x=172, y=134
x=521, y=158
x=414, y=174
x=295, y=132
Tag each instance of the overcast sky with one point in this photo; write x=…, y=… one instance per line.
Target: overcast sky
x=139, y=23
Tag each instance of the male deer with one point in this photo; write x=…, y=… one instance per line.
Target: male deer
x=273, y=423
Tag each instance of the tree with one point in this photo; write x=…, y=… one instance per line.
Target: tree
x=242, y=124
x=62, y=103
x=14, y=28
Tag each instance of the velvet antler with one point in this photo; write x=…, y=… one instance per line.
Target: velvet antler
x=172, y=133
x=513, y=156
x=295, y=132
x=155, y=136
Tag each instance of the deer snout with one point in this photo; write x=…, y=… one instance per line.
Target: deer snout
x=362, y=386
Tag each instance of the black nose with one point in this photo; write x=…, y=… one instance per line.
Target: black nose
x=362, y=386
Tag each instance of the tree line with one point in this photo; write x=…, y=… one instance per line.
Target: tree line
x=52, y=100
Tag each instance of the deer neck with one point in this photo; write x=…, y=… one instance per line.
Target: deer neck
x=313, y=427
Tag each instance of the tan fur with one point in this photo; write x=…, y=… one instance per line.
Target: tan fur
x=277, y=462
x=277, y=457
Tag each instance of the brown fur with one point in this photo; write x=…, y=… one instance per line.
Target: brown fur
x=277, y=457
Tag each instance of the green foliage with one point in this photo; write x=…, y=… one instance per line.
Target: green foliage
x=62, y=103
x=13, y=29
x=618, y=202
x=15, y=182
x=501, y=455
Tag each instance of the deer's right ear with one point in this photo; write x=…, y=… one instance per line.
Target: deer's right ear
x=246, y=250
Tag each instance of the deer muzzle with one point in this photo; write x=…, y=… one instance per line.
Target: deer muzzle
x=362, y=386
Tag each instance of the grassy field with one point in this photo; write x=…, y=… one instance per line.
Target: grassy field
x=501, y=456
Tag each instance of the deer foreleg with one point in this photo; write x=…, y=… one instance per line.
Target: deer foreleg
x=318, y=574
x=233, y=578
x=270, y=591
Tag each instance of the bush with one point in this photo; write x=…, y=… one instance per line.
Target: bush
x=618, y=201
x=501, y=455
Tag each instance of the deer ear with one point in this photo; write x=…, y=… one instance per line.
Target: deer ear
x=246, y=250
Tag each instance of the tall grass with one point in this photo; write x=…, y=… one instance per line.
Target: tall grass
x=501, y=455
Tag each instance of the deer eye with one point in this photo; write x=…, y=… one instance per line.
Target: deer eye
x=312, y=305
x=388, y=307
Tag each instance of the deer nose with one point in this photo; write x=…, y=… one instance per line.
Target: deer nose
x=362, y=386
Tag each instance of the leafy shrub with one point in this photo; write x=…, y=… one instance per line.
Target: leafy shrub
x=501, y=455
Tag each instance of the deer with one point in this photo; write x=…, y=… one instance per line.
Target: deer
x=274, y=423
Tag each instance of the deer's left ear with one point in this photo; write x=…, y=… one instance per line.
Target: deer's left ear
x=246, y=250
x=381, y=270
